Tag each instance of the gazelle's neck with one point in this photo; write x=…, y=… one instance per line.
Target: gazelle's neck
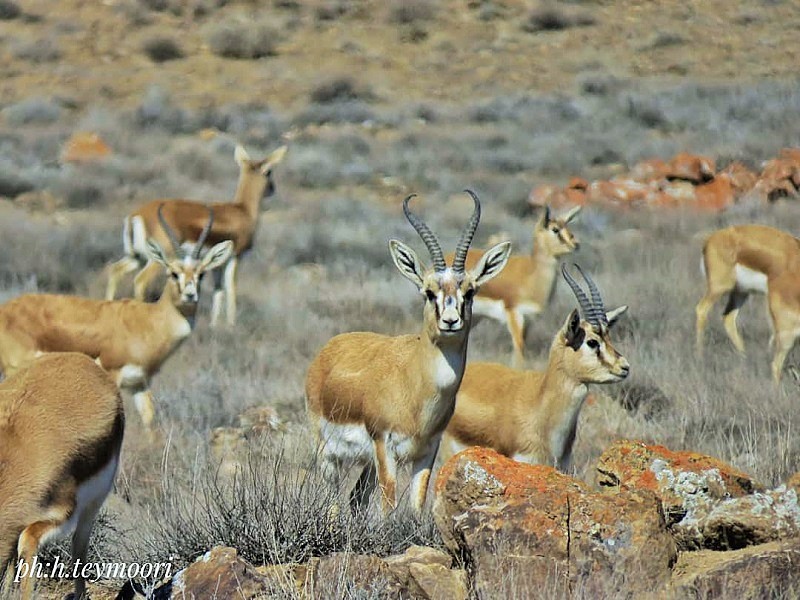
x=545, y=267
x=248, y=194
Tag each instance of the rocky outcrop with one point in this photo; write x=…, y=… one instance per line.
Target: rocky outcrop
x=528, y=525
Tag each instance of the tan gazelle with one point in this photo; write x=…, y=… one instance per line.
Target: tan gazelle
x=532, y=416
x=743, y=259
x=130, y=339
x=525, y=286
x=61, y=428
x=376, y=401
x=235, y=221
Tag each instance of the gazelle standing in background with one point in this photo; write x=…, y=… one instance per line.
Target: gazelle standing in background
x=532, y=416
x=61, y=429
x=744, y=259
x=130, y=339
x=375, y=400
x=235, y=221
x=525, y=286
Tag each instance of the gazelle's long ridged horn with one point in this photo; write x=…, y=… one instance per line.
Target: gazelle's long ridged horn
x=580, y=295
x=434, y=248
x=466, y=237
x=173, y=239
x=598, y=307
x=198, y=247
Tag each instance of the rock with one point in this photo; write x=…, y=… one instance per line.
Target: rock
x=765, y=571
x=715, y=195
x=740, y=522
x=691, y=167
x=427, y=573
x=344, y=575
x=679, y=479
x=259, y=420
x=85, y=146
x=219, y=573
x=523, y=525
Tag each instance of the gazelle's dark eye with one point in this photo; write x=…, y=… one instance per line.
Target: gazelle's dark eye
x=430, y=295
x=268, y=174
x=593, y=344
x=555, y=230
x=200, y=276
x=174, y=275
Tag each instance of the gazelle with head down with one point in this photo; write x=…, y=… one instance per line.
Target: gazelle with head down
x=746, y=259
x=235, y=221
x=61, y=428
x=376, y=401
x=525, y=286
x=532, y=416
x=129, y=339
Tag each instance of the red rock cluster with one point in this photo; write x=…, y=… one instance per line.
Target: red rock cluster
x=687, y=180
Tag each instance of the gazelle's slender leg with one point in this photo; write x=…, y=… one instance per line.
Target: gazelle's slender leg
x=80, y=544
x=143, y=400
x=736, y=299
x=783, y=343
x=27, y=548
x=362, y=492
x=117, y=271
x=143, y=278
x=230, y=291
x=386, y=465
x=515, y=328
x=421, y=474
x=702, y=310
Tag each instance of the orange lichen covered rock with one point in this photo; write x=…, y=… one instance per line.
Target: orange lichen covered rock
x=528, y=524
x=691, y=167
x=85, y=146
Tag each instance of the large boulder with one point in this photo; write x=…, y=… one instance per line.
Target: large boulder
x=529, y=525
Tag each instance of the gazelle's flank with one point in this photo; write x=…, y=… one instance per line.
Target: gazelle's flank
x=61, y=428
x=532, y=416
x=525, y=286
x=130, y=339
x=743, y=259
x=377, y=400
x=235, y=221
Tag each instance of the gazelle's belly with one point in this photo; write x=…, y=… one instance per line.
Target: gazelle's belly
x=750, y=280
x=349, y=443
x=497, y=310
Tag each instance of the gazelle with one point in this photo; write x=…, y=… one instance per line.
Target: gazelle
x=235, y=221
x=130, y=339
x=61, y=428
x=377, y=400
x=743, y=259
x=525, y=286
x=532, y=416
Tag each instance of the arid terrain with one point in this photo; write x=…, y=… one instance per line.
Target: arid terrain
x=377, y=100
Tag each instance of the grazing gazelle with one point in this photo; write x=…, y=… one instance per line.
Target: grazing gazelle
x=743, y=259
x=377, y=400
x=61, y=427
x=525, y=286
x=130, y=339
x=235, y=221
x=532, y=416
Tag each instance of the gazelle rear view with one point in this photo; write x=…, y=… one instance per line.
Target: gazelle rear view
x=376, y=400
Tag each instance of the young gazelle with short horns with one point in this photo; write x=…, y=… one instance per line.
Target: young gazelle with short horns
x=235, y=221
x=377, y=401
x=61, y=427
x=130, y=339
x=527, y=283
x=532, y=416
x=743, y=259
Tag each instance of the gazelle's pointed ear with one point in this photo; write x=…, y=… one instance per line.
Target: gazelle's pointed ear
x=491, y=263
x=156, y=252
x=572, y=331
x=406, y=261
x=615, y=314
x=217, y=255
x=240, y=155
x=544, y=218
x=572, y=214
x=274, y=158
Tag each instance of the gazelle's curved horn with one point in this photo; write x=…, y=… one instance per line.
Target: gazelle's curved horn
x=198, y=247
x=580, y=295
x=173, y=239
x=434, y=248
x=466, y=236
x=598, y=308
